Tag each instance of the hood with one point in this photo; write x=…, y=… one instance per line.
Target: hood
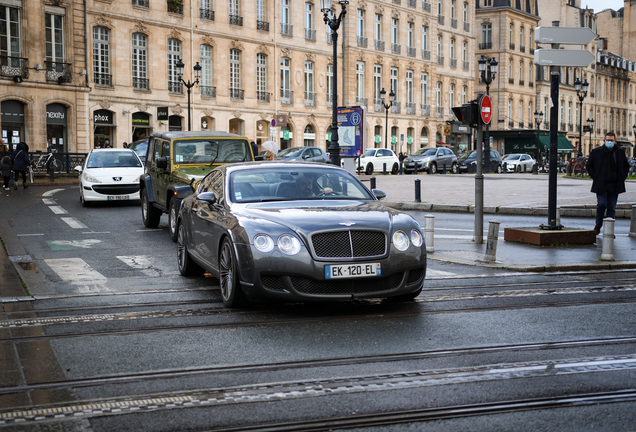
x=417, y=158
x=128, y=175
x=187, y=174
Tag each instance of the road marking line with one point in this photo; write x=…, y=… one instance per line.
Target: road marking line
x=51, y=192
x=149, y=230
x=144, y=263
x=73, y=223
x=48, y=201
x=58, y=210
x=78, y=272
x=96, y=232
x=27, y=235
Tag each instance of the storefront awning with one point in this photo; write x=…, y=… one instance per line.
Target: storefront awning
x=563, y=144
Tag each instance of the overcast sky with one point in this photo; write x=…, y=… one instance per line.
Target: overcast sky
x=599, y=5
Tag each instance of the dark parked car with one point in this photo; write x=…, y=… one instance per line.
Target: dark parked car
x=306, y=154
x=495, y=162
x=294, y=231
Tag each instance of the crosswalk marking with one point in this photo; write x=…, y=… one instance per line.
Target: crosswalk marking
x=74, y=223
x=78, y=272
x=49, y=201
x=58, y=210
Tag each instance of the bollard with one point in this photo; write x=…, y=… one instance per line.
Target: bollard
x=607, y=252
x=443, y=168
x=415, y=168
x=491, y=243
x=372, y=183
x=632, y=224
x=505, y=167
x=429, y=233
x=401, y=169
x=384, y=168
x=52, y=172
x=558, y=216
x=418, y=191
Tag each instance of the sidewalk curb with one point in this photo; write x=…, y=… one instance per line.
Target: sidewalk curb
x=542, y=268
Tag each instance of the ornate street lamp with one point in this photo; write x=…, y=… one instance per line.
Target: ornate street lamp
x=581, y=91
x=197, y=74
x=334, y=24
x=589, y=128
x=538, y=118
x=487, y=78
x=386, y=109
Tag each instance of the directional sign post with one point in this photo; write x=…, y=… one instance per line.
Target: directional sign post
x=564, y=35
x=558, y=57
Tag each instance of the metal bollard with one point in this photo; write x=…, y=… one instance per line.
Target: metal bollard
x=401, y=169
x=418, y=191
x=52, y=172
x=491, y=243
x=505, y=167
x=607, y=252
x=384, y=168
x=429, y=233
x=415, y=168
x=632, y=224
x=372, y=183
x=558, y=216
x=443, y=168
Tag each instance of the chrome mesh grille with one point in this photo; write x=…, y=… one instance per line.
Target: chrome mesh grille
x=415, y=276
x=274, y=283
x=349, y=244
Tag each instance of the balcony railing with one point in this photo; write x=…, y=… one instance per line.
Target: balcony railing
x=410, y=51
x=465, y=65
x=379, y=45
x=397, y=1
x=236, y=20
x=286, y=96
x=396, y=108
x=426, y=54
x=140, y=83
x=262, y=25
x=511, y=123
x=310, y=34
x=141, y=3
x=426, y=6
x=208, y=91
x=530, y=83
x=531, y=50
x=522, y=48
x=377, y=105
x=412, y=3
x=454, y=22
x=262, y=96
x=14, y=66
x=396, y=48
x=440, y=60
x=206, y=14
x=425, y=110
x=410, y=107
x=329, y=99
x=562, y=127
x=175, y=8
x=521, y=125
x=485, y=45
x=521, y=82
x=440, y=19
x=105, y=80
x=362, y=41
x=237, y=93
x=329, y=38
x=466, y=26
x=286, y=29
x=453, y=63
x=175, y=87
x=58, y=72
x=362, y=101
x=570, y=127
x=512, y=46
x=439, y=111
x=310, y=99
x=511, y=80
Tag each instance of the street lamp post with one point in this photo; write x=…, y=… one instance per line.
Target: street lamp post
x=538, y=118
x=334, y=24
x=589, y=128
x=386, y=109
x=581, y=91
x=487, y=79
x=197, y=74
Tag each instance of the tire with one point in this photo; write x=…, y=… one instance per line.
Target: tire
x=57, y=165
x=395, y=169
x=432, y=169
x=231, y=292
x=518, y=169
x=83, y=201
x=187, y=267
x=173, y=212
x=149, y=214
x=369, y=169
x=499, y=169
x=454, y=168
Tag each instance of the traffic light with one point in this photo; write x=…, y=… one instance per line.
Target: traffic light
x=468, y=113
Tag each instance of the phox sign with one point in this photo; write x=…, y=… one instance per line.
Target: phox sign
x=485, y=109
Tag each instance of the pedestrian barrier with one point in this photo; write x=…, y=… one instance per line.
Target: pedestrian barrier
x=429, y=233
x=418, y=191
x=607, y=251
x=632, y=224
x=491, y=243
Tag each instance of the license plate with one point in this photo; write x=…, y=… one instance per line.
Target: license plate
x=352, y=270
x=118, y=197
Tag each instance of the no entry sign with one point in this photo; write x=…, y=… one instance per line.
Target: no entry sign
x=485, y=109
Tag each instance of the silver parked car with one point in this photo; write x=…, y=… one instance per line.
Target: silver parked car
x=431, y=160
x=306, y=154
x=518, y=162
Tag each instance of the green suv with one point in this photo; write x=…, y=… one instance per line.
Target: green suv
x=175, y=164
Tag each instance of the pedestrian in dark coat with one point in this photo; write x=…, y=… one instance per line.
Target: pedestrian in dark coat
x=608, y=168
x=254, y=149
x=21, y=163
x=5, y=170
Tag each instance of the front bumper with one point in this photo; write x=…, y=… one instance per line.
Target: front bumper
x=110, y=192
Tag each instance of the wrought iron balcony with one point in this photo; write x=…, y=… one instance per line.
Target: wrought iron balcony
x=310, y=34
x=410, y=51
x=485, y=45
x=521, y=125
x=286, y=96
x=425, y=110
x=208, y=91
x=329, y=98
x=562, y=127
x=453, y=63
x=412, y=3
x=466, y=26
x=522, y=48
x=454, y=22
x=237, y=93
x=362, y=101
x=396, y=108
x=426, y=6
x=570, y=127
x=262, y=96
x=531, y=50
x=175, y=87
x=511, y=80
x=362, y=41
x=426, y=54
x=14, y=66
x=521, y=82
x=511, y=123
x=236, y=20
x=141, y=3
x=262, y=25
x=105, y=80
x=58, y=72
x=410, y=107
x=439, y=111
x=440, y=60
x=512, y=46
x=329, y=38
x=440, y=19
x=140, y=83
x=379, y=45
x=377, y=105
x=206, y=14
x=396, y=48
x=286, y=29
x=465, y=65
x=397, y=1
x=310, y=99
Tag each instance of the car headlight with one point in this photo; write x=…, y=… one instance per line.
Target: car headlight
x=288, y=244
x=263, y=242
x=137, y=179
x=89, y=178
x=416, y=238
x=400, y=240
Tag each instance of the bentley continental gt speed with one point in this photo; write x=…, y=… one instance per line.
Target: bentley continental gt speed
x=292, y=231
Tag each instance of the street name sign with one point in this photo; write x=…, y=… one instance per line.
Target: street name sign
x=558, y=57
x=564, y=35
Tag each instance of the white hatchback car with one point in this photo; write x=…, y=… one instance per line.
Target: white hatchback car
x=109, y=175
x=518, y=162
x=373, y=160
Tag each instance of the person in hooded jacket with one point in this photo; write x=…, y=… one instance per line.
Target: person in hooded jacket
x=5, y=168
x=21, y=163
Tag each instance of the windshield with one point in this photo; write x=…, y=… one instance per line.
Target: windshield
x=512, y=157
x=472, y=155
x=370, y=153
x=261, y=184
x=208, y=151
x=139, y=147
x=290, y=152
x=113, y=159
x=425, y=152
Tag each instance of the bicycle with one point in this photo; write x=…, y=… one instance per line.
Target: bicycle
x=45, y=161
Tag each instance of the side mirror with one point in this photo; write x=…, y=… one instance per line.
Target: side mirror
x=78, y=169
x=378, y=194
x=162, y=163
x=208, y=197
x=306, y=156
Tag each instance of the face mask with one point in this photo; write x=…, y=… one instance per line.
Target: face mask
x=609, y=144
